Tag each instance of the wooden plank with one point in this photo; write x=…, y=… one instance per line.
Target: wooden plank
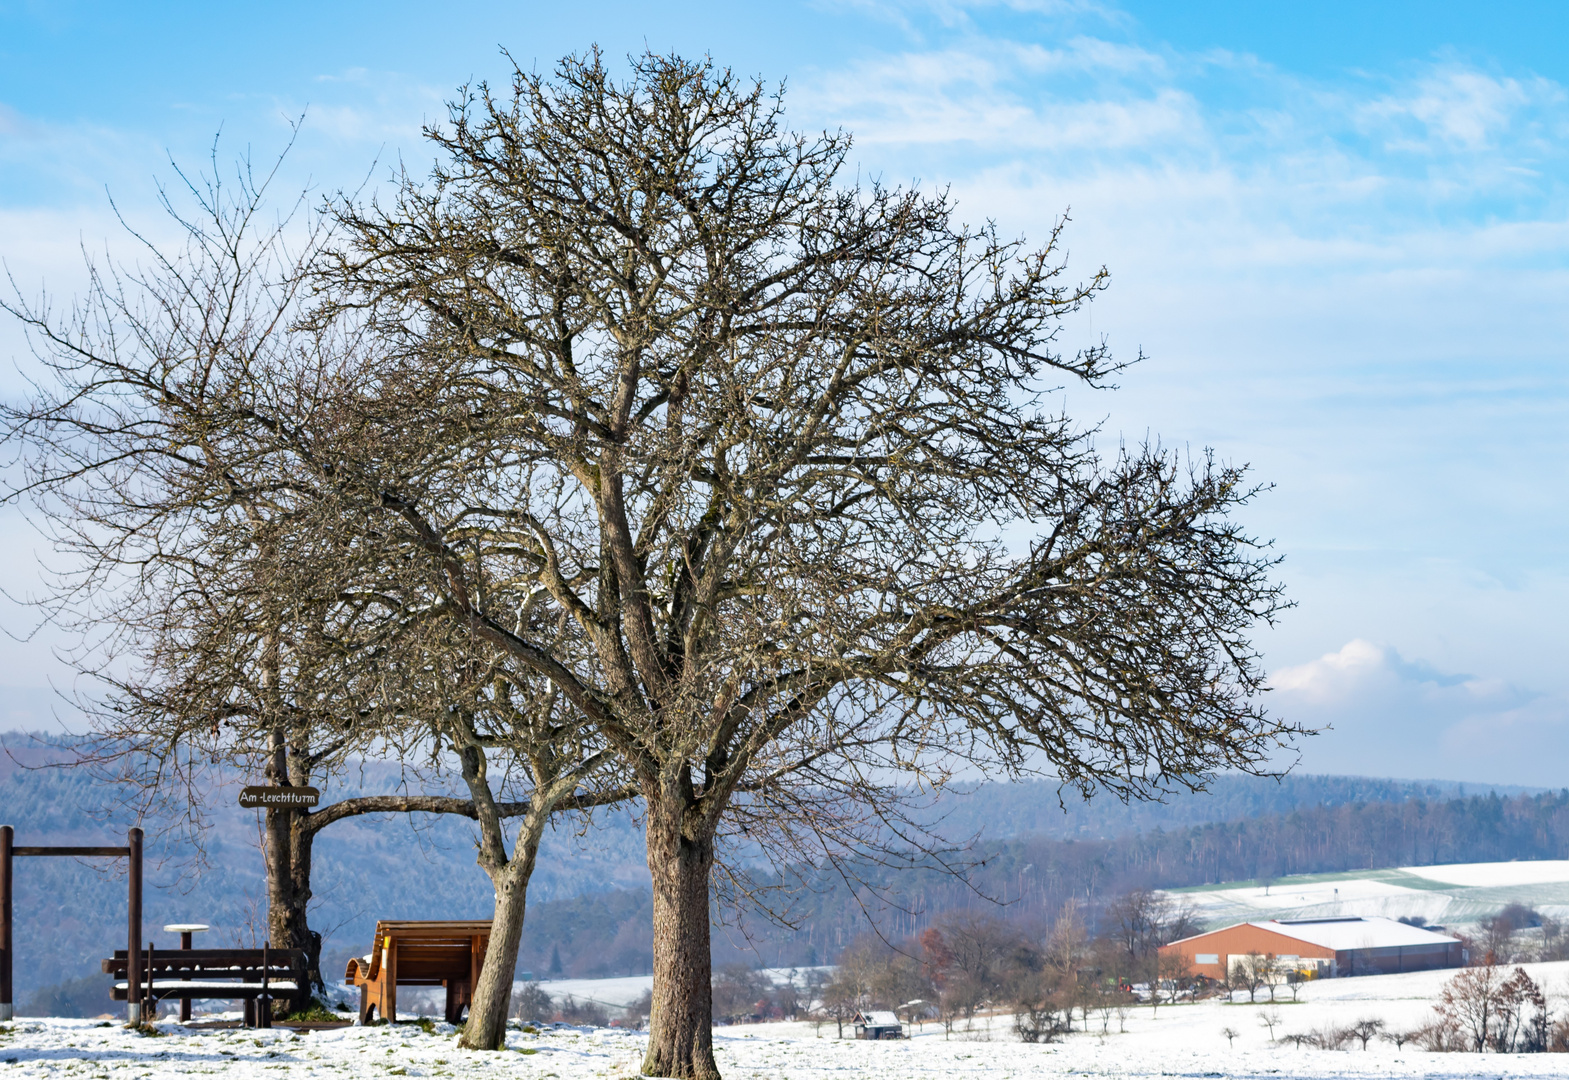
x=70, y=851
x=6, y=851
x=389, y=980
x=133, y=929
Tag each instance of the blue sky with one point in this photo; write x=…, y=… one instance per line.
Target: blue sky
x=1339, y=231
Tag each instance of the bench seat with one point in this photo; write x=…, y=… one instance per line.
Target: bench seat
x=174, y=988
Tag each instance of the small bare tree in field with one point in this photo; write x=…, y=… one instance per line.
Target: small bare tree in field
x=1251, y=972
x=1174, y=972
x=1365, y=1030
x=1469, y=1004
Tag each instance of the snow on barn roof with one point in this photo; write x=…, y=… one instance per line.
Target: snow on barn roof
x=1356, y=932
x=878, y=1019
x=1347, y=932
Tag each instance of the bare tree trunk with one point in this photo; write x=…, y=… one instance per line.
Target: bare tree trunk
x=680, y=1027
x=290, y=837
x=302, y=839
x=289, y=841
x=487, y=1023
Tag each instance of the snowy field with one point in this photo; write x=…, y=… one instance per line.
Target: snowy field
x=1177, y=1041
x=1451, y=895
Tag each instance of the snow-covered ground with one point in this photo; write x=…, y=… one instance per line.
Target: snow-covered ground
x=619, y=993
x=1180, y=1041
x=1453, y=894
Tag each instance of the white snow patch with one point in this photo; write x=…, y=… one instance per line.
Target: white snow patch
x=1496, y=875
x=1453, y=894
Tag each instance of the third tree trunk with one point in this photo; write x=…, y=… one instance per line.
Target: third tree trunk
x=680, y=1029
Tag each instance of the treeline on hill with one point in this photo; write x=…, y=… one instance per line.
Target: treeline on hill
x=368, y=873
x=1032, y=878
x=589, y=913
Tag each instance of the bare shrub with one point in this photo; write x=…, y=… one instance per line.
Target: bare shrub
x=1469, y=1004
x=1400, y=1037
x=1364, y=1030
x=1441, y=1036
x=532, y=1005
x=584, y=1013
x=1330, y=1037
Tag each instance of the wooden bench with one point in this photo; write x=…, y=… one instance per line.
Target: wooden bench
x=448, y=954
x=254, y=976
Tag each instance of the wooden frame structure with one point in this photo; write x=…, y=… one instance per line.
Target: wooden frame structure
x=133, y=937
x=407, y=953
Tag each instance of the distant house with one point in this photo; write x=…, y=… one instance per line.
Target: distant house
x=878, y=1025
x=1321, y=948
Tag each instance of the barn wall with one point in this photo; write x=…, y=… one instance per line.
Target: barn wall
x=1235, y=941
x=1239, y=941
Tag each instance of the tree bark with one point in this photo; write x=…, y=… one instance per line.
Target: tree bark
x=487, y=1023
x=289, y=843
x=680, y=1027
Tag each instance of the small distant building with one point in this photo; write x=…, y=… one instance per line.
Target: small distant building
x=878, y=1025
x=1321, y=948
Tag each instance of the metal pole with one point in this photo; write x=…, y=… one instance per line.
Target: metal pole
x=6, y=835
x=133, y=937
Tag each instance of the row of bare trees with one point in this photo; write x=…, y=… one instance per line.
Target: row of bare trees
x=637, y=453
x=969, y=963
x=1484, y=1008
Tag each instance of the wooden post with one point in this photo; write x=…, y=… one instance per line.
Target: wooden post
x=264, y=1003
x=389, y=975
x=185, y=1003
x=6, y=1008
x=133, y=937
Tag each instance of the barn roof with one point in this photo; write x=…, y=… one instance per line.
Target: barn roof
x=878, y=1019
x=1349, y=932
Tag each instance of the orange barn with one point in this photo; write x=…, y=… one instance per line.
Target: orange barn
x=1325, y=948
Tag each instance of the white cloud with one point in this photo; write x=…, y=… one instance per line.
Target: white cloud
x=1461, y=107
x=1381, y=714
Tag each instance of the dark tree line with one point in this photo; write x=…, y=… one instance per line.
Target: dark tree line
x=1034, y=877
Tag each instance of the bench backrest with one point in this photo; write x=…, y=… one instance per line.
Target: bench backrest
x=216, y=963
x=429, y=950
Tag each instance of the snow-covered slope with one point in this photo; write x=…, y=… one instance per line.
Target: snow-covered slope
x=1452, y=895
x=1181, y=1041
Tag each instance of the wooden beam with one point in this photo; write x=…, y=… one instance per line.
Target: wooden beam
x=6, y=1008
x=71, y=851
x=133, y=936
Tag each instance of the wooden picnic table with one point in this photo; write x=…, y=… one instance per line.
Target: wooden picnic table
x=449, y=954
x=254, y=976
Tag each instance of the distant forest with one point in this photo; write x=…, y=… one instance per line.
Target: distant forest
x=589, y=910
x=1028, y=879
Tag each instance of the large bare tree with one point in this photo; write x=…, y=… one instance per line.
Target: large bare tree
x=767, y=449
x=234, y=620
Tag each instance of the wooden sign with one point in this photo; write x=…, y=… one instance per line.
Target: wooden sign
x=278, y=798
